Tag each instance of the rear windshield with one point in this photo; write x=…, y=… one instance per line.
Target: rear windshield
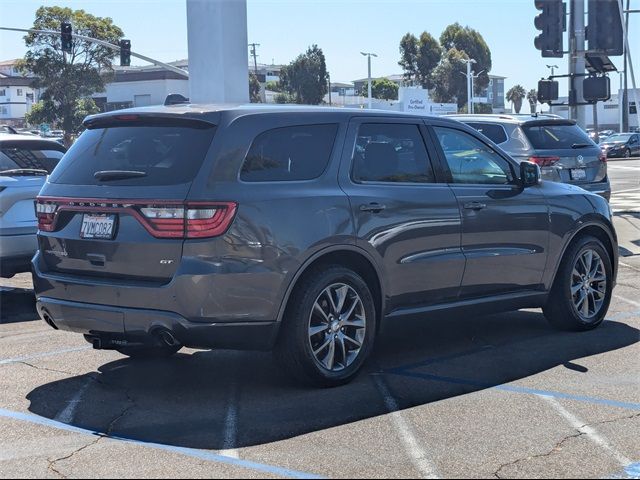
x=35, y=155
x=166, y=154
x=551, y=137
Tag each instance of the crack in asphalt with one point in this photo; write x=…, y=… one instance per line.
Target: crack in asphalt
x=43, y=368
x=559, y=445
x=556, y=448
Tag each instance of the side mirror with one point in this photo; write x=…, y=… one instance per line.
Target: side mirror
x=530, y=174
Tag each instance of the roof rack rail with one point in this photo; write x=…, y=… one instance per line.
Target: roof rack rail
x=175, y=99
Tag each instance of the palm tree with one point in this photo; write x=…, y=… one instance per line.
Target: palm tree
x=532, y=96
x=515, y=95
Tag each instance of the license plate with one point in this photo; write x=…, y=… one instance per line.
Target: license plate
x=578, y=174
x=97, y=226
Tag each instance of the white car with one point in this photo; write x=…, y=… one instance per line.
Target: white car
x=25, y=162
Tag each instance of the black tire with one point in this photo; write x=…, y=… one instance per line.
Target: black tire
x=627, y=153
x=143, y=353
x=294, y=350
x=560, y=309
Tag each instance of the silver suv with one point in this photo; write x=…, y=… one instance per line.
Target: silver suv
x=25, y=161
x=564, y=151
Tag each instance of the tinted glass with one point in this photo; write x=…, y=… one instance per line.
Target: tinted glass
x=551, y=137
x=619, y=138
x=31, y=155
x=168, y=154
x=493, y=132
x=472, y=161
x=289, y=154
x=391, y=153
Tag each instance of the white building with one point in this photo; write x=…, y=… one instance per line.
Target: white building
x=609, y=112
x=16, y=94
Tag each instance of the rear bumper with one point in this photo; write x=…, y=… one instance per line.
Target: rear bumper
x=600, y=188
x=17, y=251
x=135, y=326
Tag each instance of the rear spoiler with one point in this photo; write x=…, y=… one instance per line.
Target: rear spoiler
x=548, y=121
x=139, y=119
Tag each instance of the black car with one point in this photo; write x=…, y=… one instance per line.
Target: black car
x=301, y=229
x=625, y=145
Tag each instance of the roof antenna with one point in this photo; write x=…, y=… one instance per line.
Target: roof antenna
x=175, y=99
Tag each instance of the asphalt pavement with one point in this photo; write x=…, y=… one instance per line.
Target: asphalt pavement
x=500, y=396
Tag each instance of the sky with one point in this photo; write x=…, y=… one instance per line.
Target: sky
x=342, y=28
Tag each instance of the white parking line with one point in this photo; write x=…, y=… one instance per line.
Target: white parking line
x=417, y=454
x=231, y=424
x=589, y=432
x=629, y=301
x=68, y=414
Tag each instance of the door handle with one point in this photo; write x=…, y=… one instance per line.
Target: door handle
x=475, y=206
x=372, y=207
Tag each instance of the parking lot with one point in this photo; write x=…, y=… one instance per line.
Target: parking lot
x=501, y=396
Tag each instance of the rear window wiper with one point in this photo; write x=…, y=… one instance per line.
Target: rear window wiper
x=581, y=145
x=24, y=171
x=106, y=175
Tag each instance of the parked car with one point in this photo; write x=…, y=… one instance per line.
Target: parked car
x=624, y=145
x=25, y=161
x=301, y=229
x=563, y=150
x=7, y=129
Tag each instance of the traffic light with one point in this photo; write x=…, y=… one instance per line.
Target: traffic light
x=548, y=91
x=551, y=22
x=125, y=53
x=604, y=32
x=66, y=37
x=596, y=89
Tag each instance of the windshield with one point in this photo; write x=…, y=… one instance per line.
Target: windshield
x=166, y=154
x=29, y=156
x=551, y=137
x=618, y=138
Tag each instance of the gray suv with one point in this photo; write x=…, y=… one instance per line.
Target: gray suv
x=301, y=229
x=564, y=152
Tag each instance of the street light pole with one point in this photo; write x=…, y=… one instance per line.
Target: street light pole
x=553, y=69
x=369, y=55
x=469, y=75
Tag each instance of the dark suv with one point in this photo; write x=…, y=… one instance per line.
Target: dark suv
x=301, y=229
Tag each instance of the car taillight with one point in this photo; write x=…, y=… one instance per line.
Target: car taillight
x=46, y=215
x=544, y=161
x=193, y=220
x=603, y=157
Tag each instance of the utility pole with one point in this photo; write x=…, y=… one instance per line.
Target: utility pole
x=329, y=81
x=369, y=55
x=254, y=54
x=469, y=76
x=625, y=91
x=576, y=60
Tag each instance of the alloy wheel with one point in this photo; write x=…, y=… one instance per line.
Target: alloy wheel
x=588, y=285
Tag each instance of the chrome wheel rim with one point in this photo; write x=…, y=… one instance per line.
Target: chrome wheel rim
x=588, y=285
x=337, y=327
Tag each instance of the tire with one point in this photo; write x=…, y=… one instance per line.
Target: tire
x=300, y=352
x=155, y=352
x=627, y=153
x=565, y=308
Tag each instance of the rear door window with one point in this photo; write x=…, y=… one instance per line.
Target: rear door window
x=289, y=154
x=167, y=154
x=391, y=152
x=492, y=131
x=35, y=155
x=552, y=137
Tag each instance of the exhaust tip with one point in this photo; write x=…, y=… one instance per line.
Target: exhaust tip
x=49, y=319
x=167, y=338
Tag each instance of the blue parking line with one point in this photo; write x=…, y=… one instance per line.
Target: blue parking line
x=515, y=389
x=632, y=471
x=189, y=452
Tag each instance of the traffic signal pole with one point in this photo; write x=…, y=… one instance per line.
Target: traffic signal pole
x=577, y=64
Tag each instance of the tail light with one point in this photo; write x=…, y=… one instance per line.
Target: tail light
x=544, y=161
x=161, y=219
x=603, y=157
x=46, y=215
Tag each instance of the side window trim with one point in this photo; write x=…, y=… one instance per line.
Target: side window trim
x=357, y=122
x=476, y=135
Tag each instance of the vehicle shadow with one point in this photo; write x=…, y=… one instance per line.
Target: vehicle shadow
x=17, y=305
x=185, y=401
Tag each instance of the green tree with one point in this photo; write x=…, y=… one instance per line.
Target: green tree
x=306, y=77
x=284, y=97
x=66, y=79
x=254, y=89
x=44, y=110
x=466, y=43
x=274, y=86
x=419, y=58
x=532, y=97
x=449, y=85
x=381, y=88
x=515, y=95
